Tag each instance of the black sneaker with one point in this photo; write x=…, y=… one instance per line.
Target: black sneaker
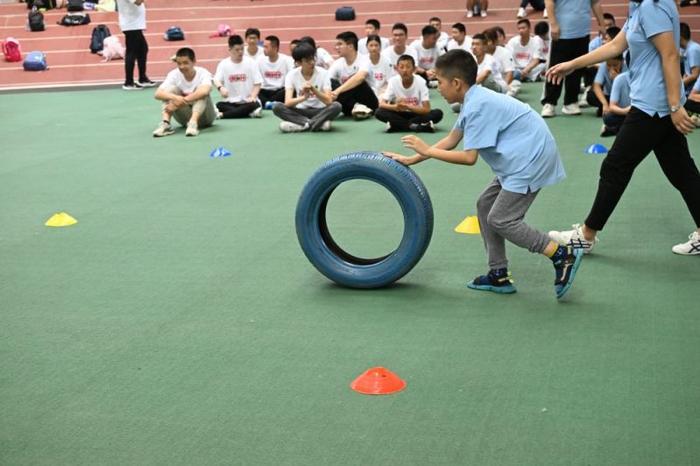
x=497, y=280
x=566, y=262
x=428, y=127
x=146, y=83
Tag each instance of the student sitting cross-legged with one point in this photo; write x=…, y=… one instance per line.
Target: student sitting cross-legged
x=185, y=95
x=349, y=78
x=405, y=105
x=516, y=143
x=313, y=108
x=238, y=80
x=274, y=67
x=619, y=105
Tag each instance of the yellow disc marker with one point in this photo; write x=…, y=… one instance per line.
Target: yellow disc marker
x=469, y=226
x=60, y=219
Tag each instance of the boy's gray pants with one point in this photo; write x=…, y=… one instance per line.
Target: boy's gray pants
x=313, y=116
x=501, y=215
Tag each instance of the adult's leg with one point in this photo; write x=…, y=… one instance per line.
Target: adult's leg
x=141, y=55
x=572, y=83
x=132, y=46
x=236, y=110
x=557, y=54
x=613, y=122
x=400, y=121
x=638, y=135
x=679, y=167
x=537, y=5
x=329, y=112
x=290, y=114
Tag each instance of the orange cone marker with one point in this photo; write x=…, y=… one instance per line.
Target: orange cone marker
x=378, y=381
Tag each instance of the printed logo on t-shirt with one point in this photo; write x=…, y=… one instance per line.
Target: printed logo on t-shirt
x=379, y=76
x=522, y=56
x=426, y=61
x=237, y=78
x=273, y=74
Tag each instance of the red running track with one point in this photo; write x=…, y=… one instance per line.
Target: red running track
x=71, y=63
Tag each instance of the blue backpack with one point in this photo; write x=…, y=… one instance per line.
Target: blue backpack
x=35, y=61
x=174, y=33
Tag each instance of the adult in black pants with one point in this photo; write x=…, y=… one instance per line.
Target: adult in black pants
x=657, y=120
x=570, y=29
x=132, y=21
x=349, y=75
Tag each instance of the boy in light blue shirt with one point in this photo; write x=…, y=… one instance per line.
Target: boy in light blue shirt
x=690, y=53
x=618, y=106
x=516, y=143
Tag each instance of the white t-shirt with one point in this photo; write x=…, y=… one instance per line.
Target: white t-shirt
x=273, y=74
x=379, y=74
x=320, y=80
x=393, y=57
x=362, y=45
x=426, y=57
x=131, y=17
x=466, y=45
x=176, y=78
x=257, y=55
x=505, y=59
x=323, y=58
x=416, y=94
x=490, y=63
x=442, y=41
x=238, y=78
x=542, y=47
x=523, y=54
x=341, y=71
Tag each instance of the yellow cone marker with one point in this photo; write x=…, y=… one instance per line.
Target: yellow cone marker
x=469, y=226
x=60, y=219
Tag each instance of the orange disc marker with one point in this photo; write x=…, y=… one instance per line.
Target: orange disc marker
x=378, y=381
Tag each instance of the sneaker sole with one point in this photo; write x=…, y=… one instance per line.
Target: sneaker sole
x=577, y=263
x=164, y=134
x=509, y=289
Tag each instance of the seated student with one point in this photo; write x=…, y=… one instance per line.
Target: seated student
x=405, y=106
x=372, y=27
x=443, y=37
x=379, y=66
x=399, y=34
x=590, y=72
x=501, y=55
x=427, y=51
x=488, y=70
x=460, y=39
x=518, y=146
x=599, y=94
x=313, y=108
x=542, y=33
x=323, y=58
x=238, y=80
x=692, y=105
x=526, y=51
x=185, y=95
x=252, y=38
x=599, y=40
x=349, y=76
x=618, y=107
x=292, y=45
x=691, y=58
x=274, y=66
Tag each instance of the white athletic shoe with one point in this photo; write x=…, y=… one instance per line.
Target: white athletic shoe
x=573, y=238
x=289, y=127
x=582, y=102
x=571, y=109
x=192, y=130
x=164, y=129
x=470, y=13
x=484, y=14
x=521, y=13
x=361, y=112
x=544, y=14
x=696, y=119
x=548, y=111
x=433, y=84
x=456, y=107
x=691, y=248
x=326, y=126
x=257, y=113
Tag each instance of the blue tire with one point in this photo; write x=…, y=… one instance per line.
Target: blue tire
x=327, y=256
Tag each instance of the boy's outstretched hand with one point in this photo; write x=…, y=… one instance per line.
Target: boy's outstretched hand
x=417, y=144
x=402, y=158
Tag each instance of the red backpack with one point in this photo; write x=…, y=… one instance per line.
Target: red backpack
x=11, y=49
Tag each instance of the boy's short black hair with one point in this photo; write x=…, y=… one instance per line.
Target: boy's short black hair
x=309, y=40
x=374, y=38
x=609, y=16
x=428, y=30
x=491, y=35
x=685, y=31
x=618, y=57
x=460, y=27
x=234, y=40
x=303, y=50
x=541, y=28
x=375, y=23
x=480, y=36
x=612, y=31
x=185, y=52
x=400, y=26
x=457, y=63
x=274, y=41
x=435, y=18
x=407, y=58
x=252, y=32
x=524, y=21
x=349, y=38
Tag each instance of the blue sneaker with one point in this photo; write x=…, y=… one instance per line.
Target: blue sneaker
x=566, y=261
x=497, y=280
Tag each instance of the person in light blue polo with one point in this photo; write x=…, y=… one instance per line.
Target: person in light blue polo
x=657, y=120
x=618, y=106
x=690, y=54
x=599, y=95
x=518, y=146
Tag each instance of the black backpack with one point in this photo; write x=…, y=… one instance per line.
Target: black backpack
x=99, y=33
x=345, y=13
x=75, y=5
x=75, y=20
x=36, y=21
